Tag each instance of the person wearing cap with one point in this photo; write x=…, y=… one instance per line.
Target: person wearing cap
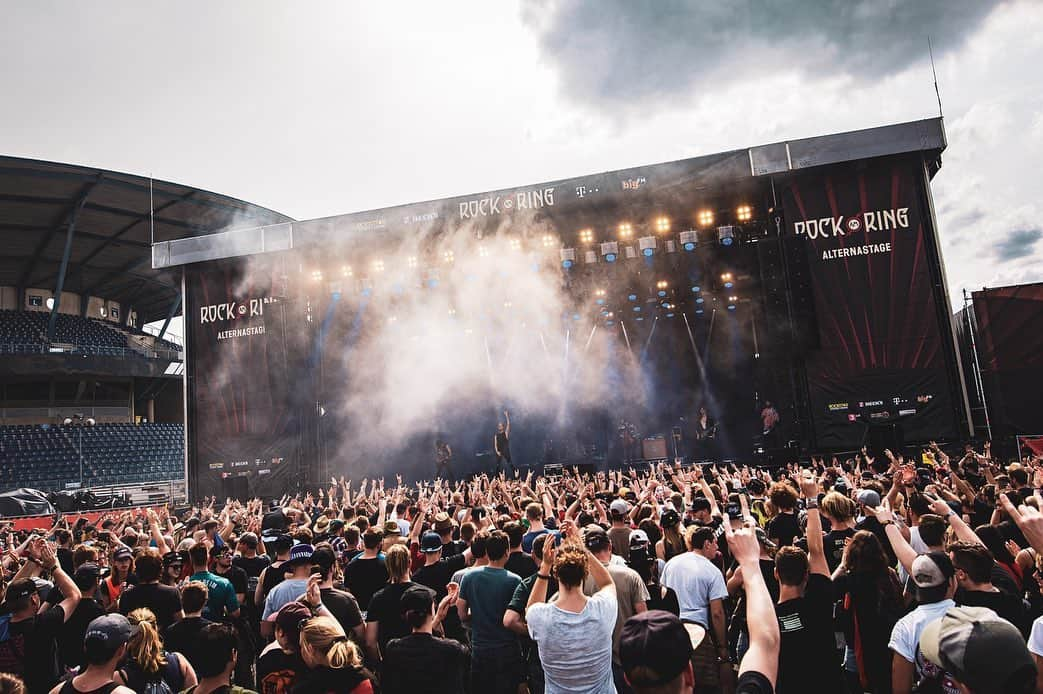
x=571, y=664
x=173, y=568
x=164, y=601
x=643, y=560
x=672, y=542
x=221, y=564
x=104, y=647
x=251, y=562
x=280, y=663
x=807, y=657
x=299, y=568
x=70, y=638
x=422, y=661
x=619, y=532
x=518, y=562
x=341, y=604
x=222, y=603
x=274, y=573
x=631, y=592
x=437, y=571
x=121, y=576
x=31, y=631
x=336, y=537
x=974, y=651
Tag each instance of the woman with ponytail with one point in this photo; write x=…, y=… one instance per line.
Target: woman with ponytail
x=334, y=663
x=148, y=666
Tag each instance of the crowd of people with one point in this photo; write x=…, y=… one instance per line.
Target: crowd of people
x=868, y=574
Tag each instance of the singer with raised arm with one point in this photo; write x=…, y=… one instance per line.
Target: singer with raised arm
x=443, y=460
x=502, y=445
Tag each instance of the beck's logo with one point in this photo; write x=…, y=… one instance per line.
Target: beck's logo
x=878, y=220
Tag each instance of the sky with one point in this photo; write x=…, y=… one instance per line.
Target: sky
x=322, y=108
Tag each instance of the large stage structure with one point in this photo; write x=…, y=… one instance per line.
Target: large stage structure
x=603, y=311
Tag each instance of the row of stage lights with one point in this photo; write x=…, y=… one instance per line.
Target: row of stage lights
x=609, y=249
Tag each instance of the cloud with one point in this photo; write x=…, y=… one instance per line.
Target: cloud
x=619, y=52
x=1019, y=244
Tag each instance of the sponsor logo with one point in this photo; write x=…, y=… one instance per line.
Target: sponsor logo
x=419, y=218
x=233, y=310
x=240, y=463
x=867, y=222
x=924, y=399
x=634, y=183
x=904, y=413
x=837, y=406
x=498, y=204
x=880, y=415
x=217, y=466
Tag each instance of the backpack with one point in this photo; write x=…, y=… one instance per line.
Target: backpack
x=12, y=648
x=135, y=678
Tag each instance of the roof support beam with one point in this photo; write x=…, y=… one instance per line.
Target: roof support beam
x=53, y=321
x=71, y=209
x=170, y=315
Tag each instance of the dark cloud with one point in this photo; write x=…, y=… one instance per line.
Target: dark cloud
x=615, y=52
x=1018, y=244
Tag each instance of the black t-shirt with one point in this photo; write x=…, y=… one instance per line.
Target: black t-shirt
x=385, y=609
x=236, y=576
x=70, y=638
x=277, y=671
x=807, y=657
x=873, y=525
x=273, y=576
x=34, y=642
x=364, y=577
x=252, y=566
x=343, y=606
x=437, y=575
x=326, y=680
x=521, y=564
x=64, y=555
x=663, y=598
x=183, y=637
x=164, y=601
x=833, y=544
x=1009, y=607
x=783, y=529
x=273, y=520
x=424, y=663
x=751, y=682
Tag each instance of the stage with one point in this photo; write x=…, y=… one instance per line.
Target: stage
x=600, y=312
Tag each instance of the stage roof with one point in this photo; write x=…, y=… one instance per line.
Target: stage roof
x=109, y=257
x=733, y=169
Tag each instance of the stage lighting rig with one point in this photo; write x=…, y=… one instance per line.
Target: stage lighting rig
x=744, y=213
x=346, y=271
x=610, y=250
x=705, y=217
x=586, y=236
x=316, y=275
x=647, y=244
x=726, y=235
x=448, y=257
x=412, y=262
x=625, y=231
x=568, y=257
x=662, y=224
x=378, y=266
x=515, y=244
x=548, y=241
x=728, y=279
x=689, y=239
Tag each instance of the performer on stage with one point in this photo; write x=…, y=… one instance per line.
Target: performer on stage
x=769, y=421
x=502, y=446
x=705, y=433
x=443, y=460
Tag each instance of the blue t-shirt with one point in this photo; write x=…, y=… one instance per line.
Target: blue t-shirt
x=221, y=601
x=488, y=592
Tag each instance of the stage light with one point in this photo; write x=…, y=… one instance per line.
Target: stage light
x=515, y=244
x=637, y=309
x=483, y=252
x=731, y=307
x=600, y=294
x=448, y=257
x=662, y=224
x=452, y=312
x=744, y=213
x=378, y=266
x=568, y=257
x=346, y=271
x=625, y=230
x=590, y=257
x=611, y=314
x=699, y=312
x=548, y=241
x=705, y=218
x=630, y=252
x=632, y=297
x=412, y=261
x=669, y=315
x=728, y=279
x=732, y=299
x=661, y=284
x=688, y=239
x=507, y=304
x=726, y=235
x=699, y=300
x=392, y=319
x=639, y=318
x=316, y=275
x=696, y=287
x=610, y=250
x=647, y=244
x=586, y=236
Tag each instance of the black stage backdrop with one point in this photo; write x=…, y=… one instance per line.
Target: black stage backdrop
x=880, y=356
x=244, y=426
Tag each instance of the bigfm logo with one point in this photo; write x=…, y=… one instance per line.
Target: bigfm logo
x=232, y=310
x=497, y=204
x=867, y=222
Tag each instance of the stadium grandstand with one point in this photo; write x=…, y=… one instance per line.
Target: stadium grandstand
x=91, y=382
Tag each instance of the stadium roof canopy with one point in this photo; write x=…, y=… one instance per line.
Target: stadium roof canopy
x=112, y=230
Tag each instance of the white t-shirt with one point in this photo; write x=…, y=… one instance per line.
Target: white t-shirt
x=917, y=543
x=576, y=648
x=905, y=637
x=697, y=581
x=1036, y=638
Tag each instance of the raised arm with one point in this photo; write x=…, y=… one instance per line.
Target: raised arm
x=763, y=653
x=963, y=531
x=816, y=555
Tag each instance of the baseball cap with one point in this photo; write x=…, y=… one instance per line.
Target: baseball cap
x=931, y=573
x=86, y=575
x=868, y=497
x=282, y=543
x=290, y=617
x=217, y=551
x=619, y=506
x=981, y=650
x=639, y=538
x=417, y=598
x=171, y=558
x=336, y=524
x=112, y=630
x=16, y=590
x=430, y=542
x=300, y=553
x=595, y=538
x=443, y=521
x=701, y=503
x=670, y=518
x=655, y=647
x=122, y=552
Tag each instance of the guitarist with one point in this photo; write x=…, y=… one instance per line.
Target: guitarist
x=705, y=432
x=443, y=460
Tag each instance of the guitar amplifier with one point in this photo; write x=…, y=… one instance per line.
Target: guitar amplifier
x=653, y=448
